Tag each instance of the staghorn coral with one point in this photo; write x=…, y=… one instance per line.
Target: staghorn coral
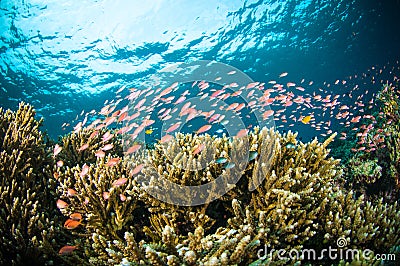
x=287, y=197
x=364, y=224
x=294, y=194
x=80, y=147
x=28, y=218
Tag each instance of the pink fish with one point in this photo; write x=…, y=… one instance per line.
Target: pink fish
x=113, y=161
x=198, y=148
x=137, y=169
x=83, y=147
x=100, y=154
x=267, y=114
x=61, y=204
x=119, y=182
x=107, y=136
x=166, y=138
x=85, y=170
x=107, y=147
x=106, y=195
x=204, y=129
x=173, y=127
x=242, y=133
x=57, y=149
x=133, y=148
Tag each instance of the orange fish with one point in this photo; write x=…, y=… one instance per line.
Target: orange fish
x=267, y=114
x=71, y=192
x=65, y=250
x=71, y=224
x=76, y=216
x=113, y=161
x=242, y=133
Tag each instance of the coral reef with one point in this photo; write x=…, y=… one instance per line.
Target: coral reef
x=29, y=220
x=86, y=200
x=374, y=169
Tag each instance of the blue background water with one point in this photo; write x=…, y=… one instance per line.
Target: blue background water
x=65, y=56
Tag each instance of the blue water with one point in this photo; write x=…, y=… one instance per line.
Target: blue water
x=67, y=56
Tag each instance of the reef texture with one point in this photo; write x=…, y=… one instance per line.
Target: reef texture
x=28, y=215
x=281, y=194
x=374, y=168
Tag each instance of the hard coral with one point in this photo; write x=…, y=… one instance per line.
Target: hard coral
x=28, y=218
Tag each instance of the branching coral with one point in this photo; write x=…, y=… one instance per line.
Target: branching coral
x=28, y=217
x=278, y=193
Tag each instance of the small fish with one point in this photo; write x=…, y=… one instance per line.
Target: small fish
x=306, y=119
x=76, y=216
x=57, y=149
x=224, y=122
x=173, y=127
x=60, y=163
x=113, y=161
x=83, y=147
x=284, y=74
x=242, y=133
x=119, y=182
x=100, y=154
x=61, y=204
x=229, y=165
x=122, y=197
x=71, y=224
x=85, y=170
x=219, y=131
x=198, y=148
x=107, y=147
x=166, y=138
x=106, y=195
x=267, y=114
x=148, y=131
x=204, y=129
x=107, y=136
x=65, y=250
x=221, y=160
x=252, y=155
x=71, y=192
x=290, y=145
x=137, y=169
x=133, y=149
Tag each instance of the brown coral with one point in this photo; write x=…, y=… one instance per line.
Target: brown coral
x=28, y=218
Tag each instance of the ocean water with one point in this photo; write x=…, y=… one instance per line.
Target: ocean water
x=65, y=57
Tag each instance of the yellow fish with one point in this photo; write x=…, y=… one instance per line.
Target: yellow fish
x=149, y=131
x=306, y=119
